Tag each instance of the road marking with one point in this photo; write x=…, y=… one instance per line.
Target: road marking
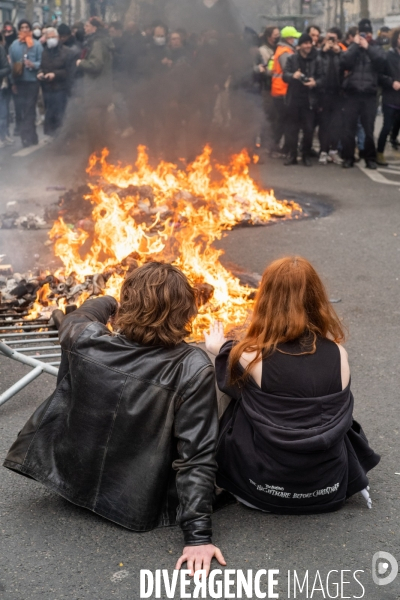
x=30, y=149
x=119, y=576
x=376, y=175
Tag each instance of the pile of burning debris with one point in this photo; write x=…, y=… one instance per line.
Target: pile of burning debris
x=128, y=216
x=41, y=293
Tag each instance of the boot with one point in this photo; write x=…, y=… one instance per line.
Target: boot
x=290, y=160
x=381, y=160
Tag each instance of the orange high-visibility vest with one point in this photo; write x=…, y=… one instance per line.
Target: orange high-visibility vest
x=279, y=87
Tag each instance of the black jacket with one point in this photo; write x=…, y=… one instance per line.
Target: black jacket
x=290, y=455
x=331, y=73
x=55, y=60
x=361, y=68
x=5, y=68
x=391, y=74
x=297, y=93
x=130, y=432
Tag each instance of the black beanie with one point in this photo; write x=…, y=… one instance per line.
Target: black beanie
x=304, y=38
x=63, y=29
x=365, y=26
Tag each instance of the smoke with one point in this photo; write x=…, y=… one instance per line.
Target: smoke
x=177, y=100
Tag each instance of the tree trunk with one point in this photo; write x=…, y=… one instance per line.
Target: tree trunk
x=29, y=10
x=364, y=9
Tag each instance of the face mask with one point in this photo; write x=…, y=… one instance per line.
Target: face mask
x=52, y=42
x=37, y=33
x=160, y=41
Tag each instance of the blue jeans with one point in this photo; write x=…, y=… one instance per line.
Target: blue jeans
x=4, y=100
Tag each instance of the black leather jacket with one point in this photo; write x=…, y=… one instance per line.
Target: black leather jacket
x=297, y=93
x=130, y=432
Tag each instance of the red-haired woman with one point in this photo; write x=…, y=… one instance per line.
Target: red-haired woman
x=288, y=442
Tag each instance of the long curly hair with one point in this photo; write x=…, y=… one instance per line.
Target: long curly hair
x=291, y=303
x=158, y=305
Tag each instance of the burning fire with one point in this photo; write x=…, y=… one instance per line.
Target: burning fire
x=169, y=214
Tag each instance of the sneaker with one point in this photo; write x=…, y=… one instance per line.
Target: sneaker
x=381, y=160
x=371, y=164
x=127, y=132
x=276, y=154
x=307, y=161
x=323, y=158
x=335, y=158
x=291, y=160
x=347, y=164
x=9, y=140
x=2, y=144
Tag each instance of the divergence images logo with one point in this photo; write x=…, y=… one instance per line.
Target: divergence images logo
x=384, y=564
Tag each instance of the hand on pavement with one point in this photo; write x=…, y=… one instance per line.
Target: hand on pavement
x=199, y=558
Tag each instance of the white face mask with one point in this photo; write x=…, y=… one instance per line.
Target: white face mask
x=209, y=3
x=52, y=42
x=160, y=41
x=37, y=33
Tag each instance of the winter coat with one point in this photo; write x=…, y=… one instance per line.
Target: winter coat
x=17, y=52
x=391, y=74
x=290, y=455
x=5, y=68
x=55, y=60
x=310, y=67
x=330, y=60
x=361, y=68
x=97, y=70
x=131, y=430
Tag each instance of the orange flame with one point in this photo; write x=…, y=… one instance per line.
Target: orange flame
x=172, y=215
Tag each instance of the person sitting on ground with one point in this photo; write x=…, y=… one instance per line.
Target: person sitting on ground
x=130, y=432
x=288, y=441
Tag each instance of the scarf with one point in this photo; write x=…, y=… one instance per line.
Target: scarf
x=26, y=38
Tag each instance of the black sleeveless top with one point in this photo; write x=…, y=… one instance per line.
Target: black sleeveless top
x=307, y=376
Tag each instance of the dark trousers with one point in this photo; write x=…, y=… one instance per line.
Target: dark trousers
x=355, y=106
x=300, y=117
x=4, y=102
x=391, y=116
x=54, y=105
x=279, y=128
x=26, y=99
x=330, y=122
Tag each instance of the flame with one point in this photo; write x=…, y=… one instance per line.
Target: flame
x=169, y=214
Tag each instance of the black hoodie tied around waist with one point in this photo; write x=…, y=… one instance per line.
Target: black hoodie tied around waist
x=290, y=455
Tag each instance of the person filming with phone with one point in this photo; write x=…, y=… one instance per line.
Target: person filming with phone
x=303, y=75
x=361, y=65
x=330, y=105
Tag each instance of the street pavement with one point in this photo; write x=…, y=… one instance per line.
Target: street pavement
x=52, y=550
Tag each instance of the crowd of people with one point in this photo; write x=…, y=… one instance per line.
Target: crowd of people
x=162, y=86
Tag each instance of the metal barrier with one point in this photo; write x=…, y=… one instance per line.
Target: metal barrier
x=28, y=342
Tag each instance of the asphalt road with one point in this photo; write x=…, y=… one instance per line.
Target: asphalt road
x=50, y=549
